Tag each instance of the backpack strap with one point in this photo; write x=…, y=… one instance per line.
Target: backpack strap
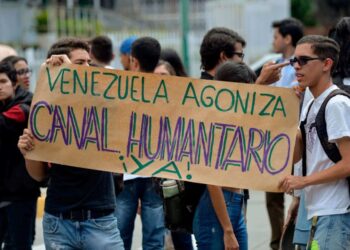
x=303, y=135
x=330, y=149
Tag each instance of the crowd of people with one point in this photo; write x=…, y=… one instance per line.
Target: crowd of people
x=90, y=209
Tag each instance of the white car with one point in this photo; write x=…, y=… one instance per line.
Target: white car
x=257, y=66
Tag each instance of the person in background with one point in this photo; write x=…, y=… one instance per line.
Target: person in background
x=172, y=57
x=145, y=54
x=164, y=68
x=218, y=46
x=219, y=220
x=181, y=240
x=18, y=191
x=101, y=51
x=22, y=69
x=287, y=33
x=341, y=34
x=125, y=51
x=6, y=51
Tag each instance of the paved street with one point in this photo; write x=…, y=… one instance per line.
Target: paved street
x=258, y=226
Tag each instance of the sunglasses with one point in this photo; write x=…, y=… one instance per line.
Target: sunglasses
x=24, y=71
x=303, y=60
x=239, y=54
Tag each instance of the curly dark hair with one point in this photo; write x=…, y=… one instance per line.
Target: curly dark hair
x=67, y=45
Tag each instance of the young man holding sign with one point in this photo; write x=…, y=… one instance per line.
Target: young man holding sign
x=326, y=187
x=80, y=203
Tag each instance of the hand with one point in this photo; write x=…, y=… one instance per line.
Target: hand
x=289, y=183
x=230, y=241
x=26, y=142
x=58, y=60
x=299, y=91
x=270, y=73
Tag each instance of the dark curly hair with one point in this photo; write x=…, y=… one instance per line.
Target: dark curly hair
x=67, y=45
x=218, y=40
x=341, y=34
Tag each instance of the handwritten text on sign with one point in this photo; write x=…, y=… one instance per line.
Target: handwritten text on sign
x=204, y=131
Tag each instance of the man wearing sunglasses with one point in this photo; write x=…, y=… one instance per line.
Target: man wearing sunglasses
x=326, y=188
x=287, y=33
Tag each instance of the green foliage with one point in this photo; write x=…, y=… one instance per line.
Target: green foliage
x=42, y=21
x=302, y=10
x=78, y=27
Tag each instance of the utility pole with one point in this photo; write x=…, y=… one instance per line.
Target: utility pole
x=184, y=32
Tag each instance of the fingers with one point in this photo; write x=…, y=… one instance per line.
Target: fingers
x=57, y=60
x=279, y=65
x=285, y=185
x=26, y=142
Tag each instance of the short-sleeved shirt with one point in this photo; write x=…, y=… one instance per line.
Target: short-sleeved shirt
x=332, y=197
x=288, y=77
x=72, y=188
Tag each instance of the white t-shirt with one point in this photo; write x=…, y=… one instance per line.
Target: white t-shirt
x=333, y=197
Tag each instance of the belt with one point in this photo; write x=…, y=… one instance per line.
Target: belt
x=82, y=215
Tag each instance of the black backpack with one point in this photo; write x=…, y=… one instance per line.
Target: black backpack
x=330, y=149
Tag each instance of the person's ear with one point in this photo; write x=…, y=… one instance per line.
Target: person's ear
x=288, y=39
x=134, y=64
x=328, y=64
x=223, y=57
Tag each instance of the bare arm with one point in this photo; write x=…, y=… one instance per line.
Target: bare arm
x=36, y=169
x=218, y=202
x=340, y=170
x=292, y=210
x=298, y=148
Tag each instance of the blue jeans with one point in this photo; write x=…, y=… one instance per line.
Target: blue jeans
x=17, y=222
x=182, y=241
x=302, y=225
x=100, y=233
x=153, y=229
x=207, y=228
x=333, y=232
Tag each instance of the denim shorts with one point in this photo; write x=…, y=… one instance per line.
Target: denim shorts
x=332, y=232
x=99, y=233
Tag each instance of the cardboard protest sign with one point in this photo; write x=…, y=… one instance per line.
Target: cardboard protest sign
x=227, y=134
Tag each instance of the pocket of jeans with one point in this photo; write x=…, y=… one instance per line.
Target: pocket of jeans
x=50, y=224
x=106, y=223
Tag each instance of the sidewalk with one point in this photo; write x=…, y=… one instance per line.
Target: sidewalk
x=258, y=225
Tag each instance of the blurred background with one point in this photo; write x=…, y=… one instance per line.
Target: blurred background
x=31, y=26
